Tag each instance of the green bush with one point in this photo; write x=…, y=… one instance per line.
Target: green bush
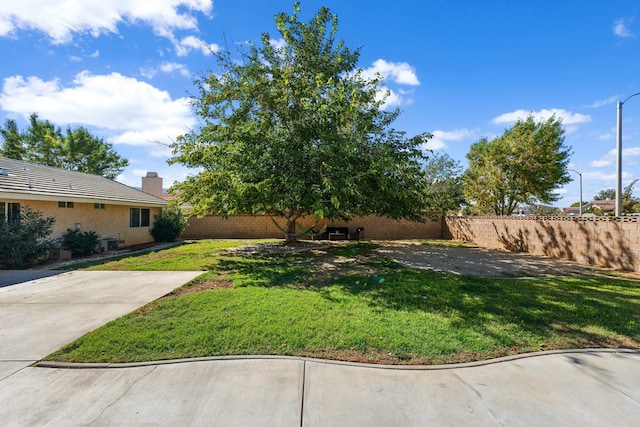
x=26, y=240
x=169, y=226
x=80, y=242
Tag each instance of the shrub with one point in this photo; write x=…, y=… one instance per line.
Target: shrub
x=80, y=242
x=169, y=225
x=26, y=240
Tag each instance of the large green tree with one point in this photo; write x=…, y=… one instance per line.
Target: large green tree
x=297, y=130
x=523, y=165
x=75, y=149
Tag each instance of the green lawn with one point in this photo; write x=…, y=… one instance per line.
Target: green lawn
x=350, y=303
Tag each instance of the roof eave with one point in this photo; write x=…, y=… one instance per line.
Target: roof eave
x=48, y=197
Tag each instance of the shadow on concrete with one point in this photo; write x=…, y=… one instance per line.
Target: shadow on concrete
x=14, y=277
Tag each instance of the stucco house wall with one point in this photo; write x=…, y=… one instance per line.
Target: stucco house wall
x=112, y=221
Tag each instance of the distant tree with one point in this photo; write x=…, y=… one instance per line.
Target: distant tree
x=83, y=152
x=522, y=166
x=576, y=204
x=76, y=149
x=630, y=204
x=608, y=194
x=541, y=210
x=298, y=130
x=12, y=143
x=43, y=142
x=443, y=183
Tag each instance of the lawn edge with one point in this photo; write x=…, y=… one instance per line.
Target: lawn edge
x=70, y=365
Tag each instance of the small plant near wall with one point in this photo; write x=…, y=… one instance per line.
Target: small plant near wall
x=24, y=241
x=169, y=225
x=80, y=242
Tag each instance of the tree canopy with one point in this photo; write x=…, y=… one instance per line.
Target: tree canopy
x=75, y=149
x=523, y=165
x=296, y=129
x=607, y=194
x=443, y=183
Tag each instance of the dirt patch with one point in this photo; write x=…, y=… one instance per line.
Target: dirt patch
x=220, y=282
x=481, y=262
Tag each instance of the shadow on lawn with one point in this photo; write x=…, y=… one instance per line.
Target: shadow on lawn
x=585, y=312
x=574, y=307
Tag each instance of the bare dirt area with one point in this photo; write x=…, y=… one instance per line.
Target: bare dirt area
x=459, y=260
x=474, y=261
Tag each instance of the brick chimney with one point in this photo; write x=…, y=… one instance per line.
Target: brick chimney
x=152, y=184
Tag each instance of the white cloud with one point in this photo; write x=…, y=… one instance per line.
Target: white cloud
x=189, y=43
x=567, y=117
x=441, y=137
x=603, y=102
x=62, y=19
x=601, y=163
x=391, y=98
x=620, y=28
x=398, y=72
x=148, y=72
x=601, y=177
x=170, y=67
x=277, y=44
x=127, y=110
x=610, y=158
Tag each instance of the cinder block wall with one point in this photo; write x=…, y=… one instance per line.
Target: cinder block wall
x=261, y=227
x=612, y=242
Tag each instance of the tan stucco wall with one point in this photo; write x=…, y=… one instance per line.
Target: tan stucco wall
x=612, y=242
x=113, y=221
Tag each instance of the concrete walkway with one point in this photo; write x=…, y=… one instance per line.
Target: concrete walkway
x=39, y=316
x=587, y=388
x=573, y=389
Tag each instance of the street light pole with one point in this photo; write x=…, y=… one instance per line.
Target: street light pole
x=619, y=158
x=580, y=175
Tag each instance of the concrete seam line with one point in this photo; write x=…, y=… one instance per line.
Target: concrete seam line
x=304, y=386
x=71, y=365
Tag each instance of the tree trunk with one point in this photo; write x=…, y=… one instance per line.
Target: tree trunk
x=292, y=217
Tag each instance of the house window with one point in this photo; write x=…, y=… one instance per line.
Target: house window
x=65, y=205
x=139, y=217
x=99, y=206
x=9, y=211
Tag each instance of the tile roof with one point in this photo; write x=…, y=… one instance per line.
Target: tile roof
x=31, y=181
x=604, y=204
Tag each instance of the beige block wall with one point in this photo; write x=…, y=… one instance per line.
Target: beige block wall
x=261, y=227
x=113, y=221
x=600, y=241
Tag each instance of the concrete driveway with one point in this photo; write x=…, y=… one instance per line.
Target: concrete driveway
x=39, y=316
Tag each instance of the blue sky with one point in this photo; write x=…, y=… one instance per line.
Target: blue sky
x=458, y=69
